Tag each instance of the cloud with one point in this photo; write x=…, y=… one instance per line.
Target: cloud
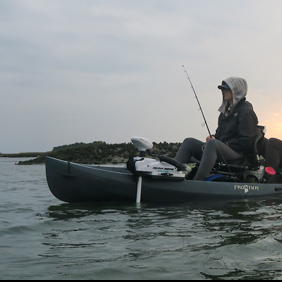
x=81, y=71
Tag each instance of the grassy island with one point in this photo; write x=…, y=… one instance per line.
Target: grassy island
x=97, y=152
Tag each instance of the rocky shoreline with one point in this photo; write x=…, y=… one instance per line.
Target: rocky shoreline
x=95, y=153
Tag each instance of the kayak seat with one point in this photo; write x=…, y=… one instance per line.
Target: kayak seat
x=251, y=161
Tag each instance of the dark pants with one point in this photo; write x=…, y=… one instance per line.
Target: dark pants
x=208, y=153
x=273, y=155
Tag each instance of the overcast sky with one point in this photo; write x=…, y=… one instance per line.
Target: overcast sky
x=108, y=70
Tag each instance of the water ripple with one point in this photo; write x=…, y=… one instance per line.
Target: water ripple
x=43, y=238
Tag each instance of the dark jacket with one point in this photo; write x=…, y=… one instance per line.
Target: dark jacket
x=238, y=129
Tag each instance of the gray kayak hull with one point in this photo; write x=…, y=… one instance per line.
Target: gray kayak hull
x=72, y=182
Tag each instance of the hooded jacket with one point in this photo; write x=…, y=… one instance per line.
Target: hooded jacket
x=237, y=129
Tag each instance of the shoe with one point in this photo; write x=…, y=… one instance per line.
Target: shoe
x=188, y=168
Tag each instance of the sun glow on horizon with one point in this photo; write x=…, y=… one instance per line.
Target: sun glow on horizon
x=273, y=126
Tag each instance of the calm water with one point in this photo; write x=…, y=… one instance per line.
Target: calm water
x=43, y=238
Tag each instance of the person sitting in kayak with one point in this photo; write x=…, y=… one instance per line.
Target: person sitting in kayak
x=237, y=125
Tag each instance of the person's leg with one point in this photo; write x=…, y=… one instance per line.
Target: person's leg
x=214, y=150
x=273, y=157
x=190, y=147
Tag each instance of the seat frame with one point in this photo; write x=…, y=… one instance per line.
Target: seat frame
x=250, y=162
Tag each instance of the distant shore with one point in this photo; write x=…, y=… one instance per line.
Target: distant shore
x=93, y=153
x=22, y=155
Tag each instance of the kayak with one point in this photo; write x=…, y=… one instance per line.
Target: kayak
x=72, y=182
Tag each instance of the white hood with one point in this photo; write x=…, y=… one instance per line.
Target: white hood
x=239, y=88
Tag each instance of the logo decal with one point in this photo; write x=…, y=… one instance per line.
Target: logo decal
x=246, y=187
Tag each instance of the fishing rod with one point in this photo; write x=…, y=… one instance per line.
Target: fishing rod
x=198, y=102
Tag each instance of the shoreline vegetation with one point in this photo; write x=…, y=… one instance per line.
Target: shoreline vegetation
x=97, y=152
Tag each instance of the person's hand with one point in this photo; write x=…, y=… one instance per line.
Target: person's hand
x=209, y=137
